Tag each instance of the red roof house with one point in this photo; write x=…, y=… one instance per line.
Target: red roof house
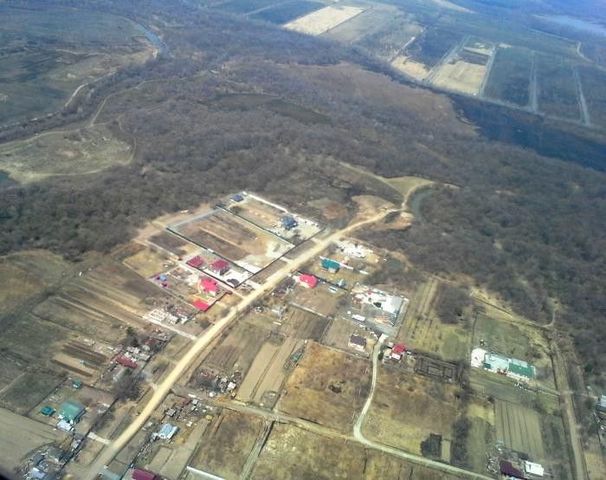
x=308, y=280
x=209, y=286
x=201, y=305
x=126, y=362
x=139, y=474
x=220, y=266
x=196, y=262
x=509, y=470
x=398, y=349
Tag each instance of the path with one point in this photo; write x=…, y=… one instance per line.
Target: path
x=585, y=118
x=108, y=454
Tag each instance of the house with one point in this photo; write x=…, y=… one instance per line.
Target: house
x=220, y=266
x=357, y=342
x=331, y=265
x=201, y=305
x=196, y=262
x=601, y=407
x=126, y=361
x=71, y=411
x=238, y=197
x=209, y=286
x=534, y=469
x=139, y=474
x=289, y=222
x=307, y=280
x=167, y=431
x=399, y=348
x=47, y=411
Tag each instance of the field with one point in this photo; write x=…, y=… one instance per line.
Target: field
x=286, y=12
x=323, y=20
x=429, y=48
x=28, y=390
x=509, y=78
x=266, y=376
x=390, y=40
x=410, y=67
x=481, y=438
x=235, y=239
x=594, y=88
x=20, y=435
x=369, y=22
x=237, y=349
x=88, y=150
x=244, y=6
x=148, y=262
x=172, y=244
x=320, y=300
x=557, y=88
x=226, y=444
x=302, y=324
x=327, y=386
x=295, y=454
x=407, y=408
x=519, y=428
x=422, y=329
x=460, y=76
x=38, y=80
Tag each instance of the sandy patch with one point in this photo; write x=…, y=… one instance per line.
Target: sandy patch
x=405, y=65
x=461, y=76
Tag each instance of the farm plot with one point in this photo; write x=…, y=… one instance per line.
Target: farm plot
x=148, y=262
x=557, y=87
x=303, y=324
x=466, y=72
x=323, y=20
x=85, y=360
x=509, y=78
x=244, y=6
x=28, y=390
x=266, y=376
x=519, y=428
x=226, y=445
x=430, y=47
x=239, y=241
x=286, y=12
x=238, y=348
x=172, y=243
x=367, y=23
x=481, y=438
x=395, y=35
x=327, y=386
x=594, y=89
x=272, y=217
x=408, y=408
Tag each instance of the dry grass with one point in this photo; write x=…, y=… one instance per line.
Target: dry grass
x=461, y=76
x=328, y=387
x=407, y=408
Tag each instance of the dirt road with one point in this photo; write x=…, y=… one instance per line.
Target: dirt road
x=357, y=431
x=108, y=454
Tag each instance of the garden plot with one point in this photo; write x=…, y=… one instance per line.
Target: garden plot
x=271, y=217
x=235, y=239
x=321, y=21
x=519, y=428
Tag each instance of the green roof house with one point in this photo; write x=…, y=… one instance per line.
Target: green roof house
x=71, y=411
x=331, y=265
x=47, y=411
x=520, y=369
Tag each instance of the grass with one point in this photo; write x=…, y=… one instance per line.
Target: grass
x=594, y=88
x=327, y=387
x=407, y=408
x=28, y=391
x=557, y=87
x=55, y=154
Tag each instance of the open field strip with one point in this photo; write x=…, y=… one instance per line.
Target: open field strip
x=323, y=20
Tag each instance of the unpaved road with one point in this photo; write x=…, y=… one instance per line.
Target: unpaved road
x=357, y=431
x=108, y=454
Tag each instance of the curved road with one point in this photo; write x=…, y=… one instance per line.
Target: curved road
x=395, y=451
x=163, y=389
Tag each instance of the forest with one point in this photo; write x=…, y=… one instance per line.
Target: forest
x=518, y=219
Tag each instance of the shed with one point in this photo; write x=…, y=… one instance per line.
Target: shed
x=535, y=469
x=47, y=411
x=308, y=280
x=399, y=348
x=71, y=411
x=196, y=262
x=238, y=197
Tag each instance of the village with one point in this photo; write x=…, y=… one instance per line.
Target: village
x=325, y=344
